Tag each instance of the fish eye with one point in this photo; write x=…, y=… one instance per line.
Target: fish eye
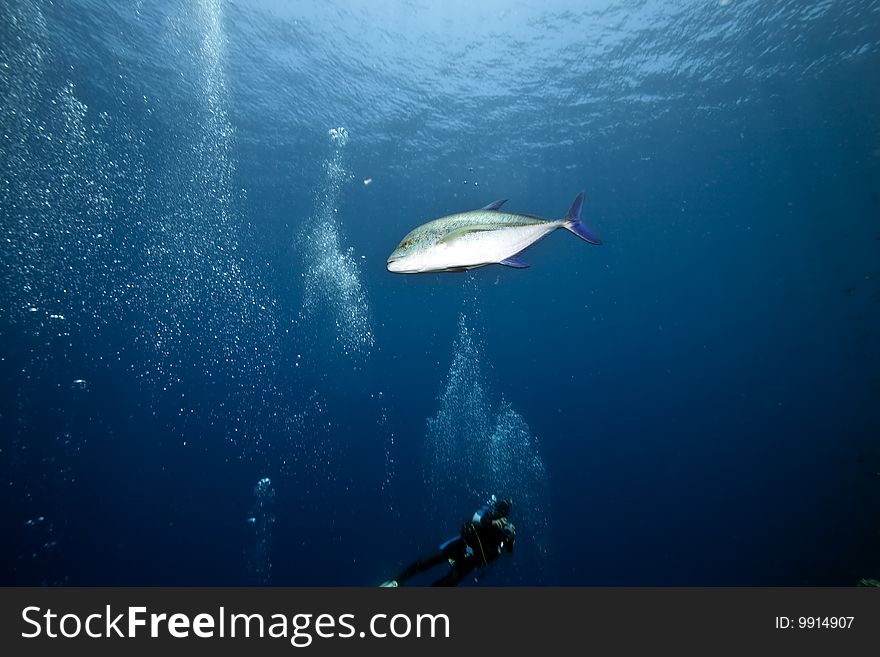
x=405, y=244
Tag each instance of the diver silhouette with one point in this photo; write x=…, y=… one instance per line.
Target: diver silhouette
x=480, y=542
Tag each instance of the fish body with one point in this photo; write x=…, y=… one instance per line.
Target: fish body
x=477, y=238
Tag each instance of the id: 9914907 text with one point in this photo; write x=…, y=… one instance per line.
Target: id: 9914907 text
x=814, y=622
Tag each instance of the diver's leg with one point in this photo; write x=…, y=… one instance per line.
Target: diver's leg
x=421, y=565
x=461, y=562
x=457, y=572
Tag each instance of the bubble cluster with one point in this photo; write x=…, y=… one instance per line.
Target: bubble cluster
x=63, y=196
x=40, y=552
x=390, y=462
x=261, y=521
x=205, y=307
x=292, y=432
x=474, y=451
x=121, y=247
x=22, y=60
x=338, y=136
x=332, y=277
x=456, y=436
x=518, y=471
x=99, y=229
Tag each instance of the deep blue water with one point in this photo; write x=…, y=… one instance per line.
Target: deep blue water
x=197, y=201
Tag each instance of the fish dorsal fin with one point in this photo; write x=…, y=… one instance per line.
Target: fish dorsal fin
x=494, y=205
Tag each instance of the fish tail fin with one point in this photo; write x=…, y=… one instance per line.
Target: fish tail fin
x=575, y=225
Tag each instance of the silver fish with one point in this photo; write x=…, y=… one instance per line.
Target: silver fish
x=487, y=236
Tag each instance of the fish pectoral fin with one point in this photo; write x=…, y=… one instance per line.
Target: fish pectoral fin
x=513, y=262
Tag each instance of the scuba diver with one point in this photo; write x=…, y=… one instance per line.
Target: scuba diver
x=481, y=541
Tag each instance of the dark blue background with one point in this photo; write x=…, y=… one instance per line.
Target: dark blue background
x=704, y=387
